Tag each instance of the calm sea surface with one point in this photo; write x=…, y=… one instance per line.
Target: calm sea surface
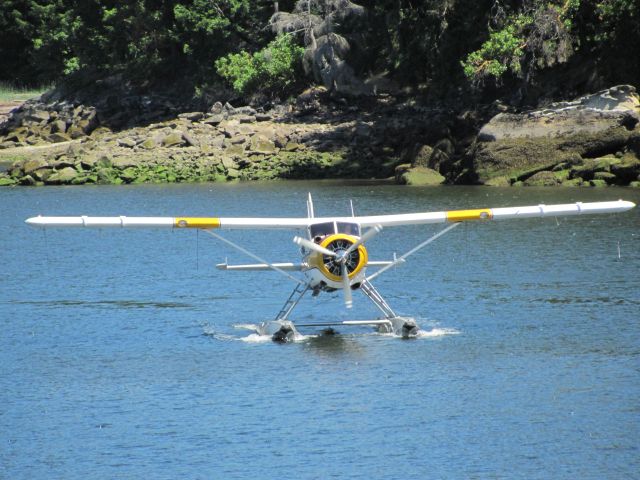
x=121, y=354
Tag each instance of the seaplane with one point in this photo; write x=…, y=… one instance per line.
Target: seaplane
x=333, y=252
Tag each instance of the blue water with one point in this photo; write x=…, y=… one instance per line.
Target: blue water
x=119, y=357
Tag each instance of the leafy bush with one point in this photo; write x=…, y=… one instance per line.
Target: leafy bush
x=274, y=68
x=540, y=36
x=501, y=52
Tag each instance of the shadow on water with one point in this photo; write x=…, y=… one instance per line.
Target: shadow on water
x=335, y=344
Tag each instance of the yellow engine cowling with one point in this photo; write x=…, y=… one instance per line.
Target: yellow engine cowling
x=339, y=242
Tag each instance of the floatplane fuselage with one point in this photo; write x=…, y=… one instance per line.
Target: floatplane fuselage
x=333, y=251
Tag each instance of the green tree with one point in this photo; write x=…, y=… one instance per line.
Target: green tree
x=272, y=70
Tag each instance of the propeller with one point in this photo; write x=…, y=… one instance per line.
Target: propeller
x=366, y=236
x=303, y=242
x=346, y=286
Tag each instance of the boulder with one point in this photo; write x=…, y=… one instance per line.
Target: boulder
x=591, y=126
x=417, y=176
x=75, y=150
x=88, y=162
x=229, y=163
x=543, y=179
x=293, y=147
x=106, y=176
x=126, y=142
x=608, y=177
x=627, y=169
x=59, y=137
x=149, y=144
x=75, y=132
x=66, y=175
x=216, y=108
x=38, y=116
x=31, y=166
x=213, y=120
x=99, y=132
x=62, y=162
x=174, y=139
x=192, y=116
x=6, y=181
x=129, y=175
x=103, y=161
x=189, y=140
x=262, y=145
x=588, y=169
x=123, y=163
x=27, y=180
x=235, y=150
x=420, y=155
x=58, y=126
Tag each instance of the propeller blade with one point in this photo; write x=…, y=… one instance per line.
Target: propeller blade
x=303, y=242
x=366, y=236
x=346, y=286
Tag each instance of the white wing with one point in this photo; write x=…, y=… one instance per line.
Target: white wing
x=451, y=216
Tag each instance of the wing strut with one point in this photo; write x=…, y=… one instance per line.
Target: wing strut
x=254, y=256
x=402, y=258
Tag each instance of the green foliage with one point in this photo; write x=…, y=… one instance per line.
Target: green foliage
x=239, y=69
x=273, y=68
x=501, y=52
x=530, y=39
x=141, y=39
x=428, y=43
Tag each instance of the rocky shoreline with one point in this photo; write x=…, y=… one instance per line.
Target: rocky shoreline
x=590, y=141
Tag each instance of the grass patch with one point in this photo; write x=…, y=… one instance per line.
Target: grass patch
x=12, y=93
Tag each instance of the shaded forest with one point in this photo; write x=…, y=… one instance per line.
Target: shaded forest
x=441, y=49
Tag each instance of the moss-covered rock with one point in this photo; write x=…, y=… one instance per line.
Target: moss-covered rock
x=27, y=180
x=627, y=169
x=608, y=177
x=418, y=176
x=597, y=183
x=42, y=174
x=129, y=174
x=501, y=181
x=149, y=144
x=6, y=181
x=588, y=127
x=573, y=182
x=103, y=161
x=31, y=166
x=590, y=166
x=66, y=175
x=173, y=139
x=59, y=137
x=542, y=179
x=105, y=176
x=80, y=180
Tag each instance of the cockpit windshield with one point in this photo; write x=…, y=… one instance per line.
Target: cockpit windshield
x=349, y=228
x=320, y=230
